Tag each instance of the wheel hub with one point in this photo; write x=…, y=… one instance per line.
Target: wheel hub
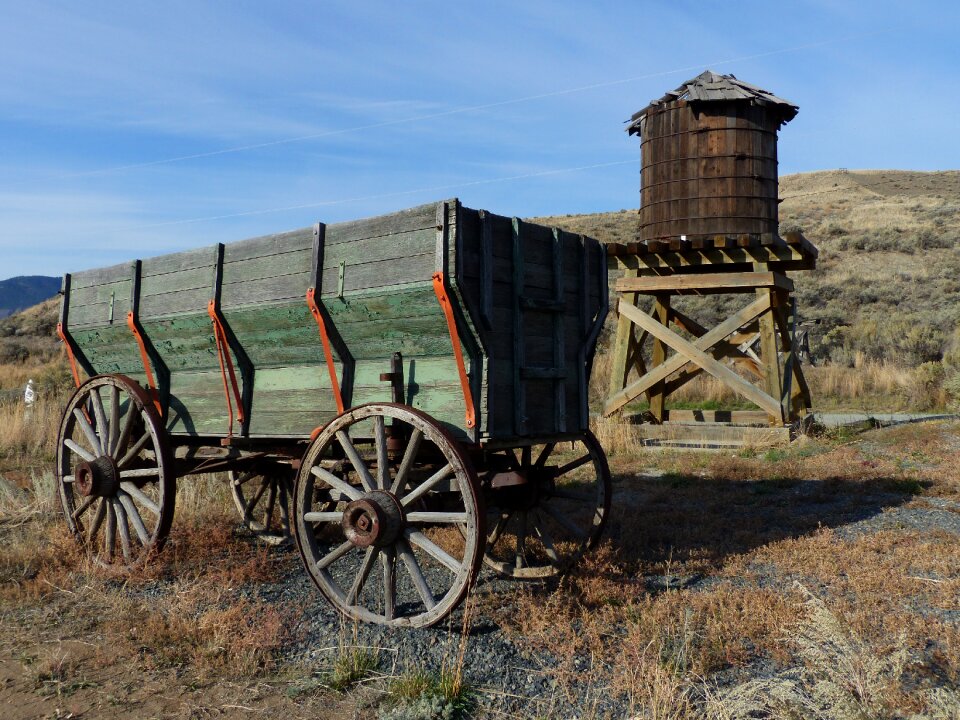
x=375, y=519
x=99, y=478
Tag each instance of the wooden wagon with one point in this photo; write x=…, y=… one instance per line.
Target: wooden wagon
x=405, y=394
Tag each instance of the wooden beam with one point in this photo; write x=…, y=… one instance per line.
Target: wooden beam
x=621, y=346
x=661, y=312
x=743, y=417
x=725, y=282
x=785, y=256
x=695, y=354
x=729, y=348
x=620, y=398
x=769, y=345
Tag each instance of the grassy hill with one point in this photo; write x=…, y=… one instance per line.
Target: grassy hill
x=886, y=291
x=24, y=291
x=887, y=285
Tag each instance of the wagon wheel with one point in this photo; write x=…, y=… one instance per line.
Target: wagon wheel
x=405, y=501
x=541, y=528
x=115, y=474
x=263, y=501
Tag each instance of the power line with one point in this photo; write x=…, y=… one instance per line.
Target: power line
x=399, y=193
x=459, y=111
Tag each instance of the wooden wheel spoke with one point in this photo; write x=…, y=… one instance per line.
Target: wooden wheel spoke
x=124, y=437
x=139, y=473
x=572, y=495
x=285, y=505
x=244, y=478
x=79, y=450
x=498, y=529
x=319, y=517
x=110, y=534
x=334, y=555
x=409, y=457
x=82, y=507
x=428, y=484
x=544, y=455
x=416, y=574
x=134, y=449
x=383, y=463
x=360, y=580
x=140, y=496
x=103, y=431
x=124, y=530
x=97, y=520
x=114, y=425
x=525, y=454
x=337, y=483
x=520, y=557
x=252, y=502
x=566, y=522
x=88, y=432
x=271, y=503
x=389, y=563
x=432, y=549
x=134, y=516
x=574, y=464
x=546, y=538
x=437, y=517
x=358, y=464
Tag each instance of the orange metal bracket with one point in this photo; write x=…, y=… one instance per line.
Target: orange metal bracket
x=73, y=360
x=328, y=354
x=447, y=308
x=226, y=366
x=147, y=368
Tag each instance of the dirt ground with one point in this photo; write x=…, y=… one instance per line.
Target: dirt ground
x=713, y=564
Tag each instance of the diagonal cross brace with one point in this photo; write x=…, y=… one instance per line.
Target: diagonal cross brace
x=696, y=353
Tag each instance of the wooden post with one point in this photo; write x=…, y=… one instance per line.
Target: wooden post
x=661, y=313
x=769, y=344
x=624, y=344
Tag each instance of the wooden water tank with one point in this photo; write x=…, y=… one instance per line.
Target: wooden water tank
x=709, y=160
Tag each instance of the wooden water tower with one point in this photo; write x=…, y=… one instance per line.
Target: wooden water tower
x=709, y=224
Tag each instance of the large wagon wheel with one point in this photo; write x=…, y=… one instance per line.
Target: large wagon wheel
x=263, y=501
x=406, y=500
x=541, y=527
x=115, y=474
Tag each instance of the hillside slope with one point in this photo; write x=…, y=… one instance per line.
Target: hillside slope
x=21, y=292
x=887, y=285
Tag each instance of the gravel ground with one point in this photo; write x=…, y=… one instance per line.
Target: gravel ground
x=506, y=676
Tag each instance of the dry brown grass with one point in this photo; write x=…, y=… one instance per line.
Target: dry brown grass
x=697, y=579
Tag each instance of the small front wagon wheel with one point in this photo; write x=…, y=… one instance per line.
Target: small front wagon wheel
x=115, y=476
x=388, y=519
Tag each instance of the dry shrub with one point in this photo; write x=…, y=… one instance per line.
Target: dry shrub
x=28, y=435
x=840, y=677
x=236, y=637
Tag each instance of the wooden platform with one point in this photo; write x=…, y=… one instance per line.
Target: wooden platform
x=770, y=378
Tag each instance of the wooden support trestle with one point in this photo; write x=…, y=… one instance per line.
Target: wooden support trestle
x=769, y=377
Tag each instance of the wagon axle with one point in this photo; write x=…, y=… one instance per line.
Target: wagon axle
x=97, y=478
x=375, y=519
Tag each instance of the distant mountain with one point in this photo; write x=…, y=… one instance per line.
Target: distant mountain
x=25, y=291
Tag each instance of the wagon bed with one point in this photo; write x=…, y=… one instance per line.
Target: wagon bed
x=528, y=303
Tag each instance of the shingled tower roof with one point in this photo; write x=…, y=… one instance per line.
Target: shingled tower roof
x=710, y=87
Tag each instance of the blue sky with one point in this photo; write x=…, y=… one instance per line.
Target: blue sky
x=131, y=129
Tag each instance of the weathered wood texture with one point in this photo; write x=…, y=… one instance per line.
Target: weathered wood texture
x=374, y=288
x=708, y=169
